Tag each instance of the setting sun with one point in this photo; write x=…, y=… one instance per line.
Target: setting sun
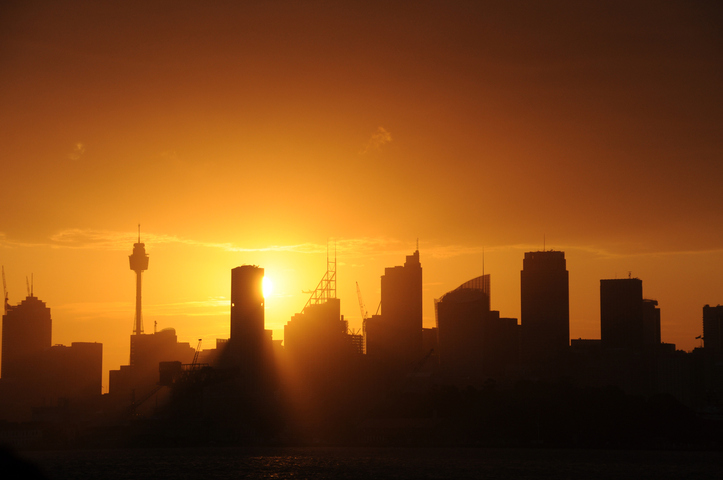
x=268, y=286
x=450, y=208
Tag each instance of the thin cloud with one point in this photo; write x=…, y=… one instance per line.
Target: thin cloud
x=5, y=242
x=78, y=151
x=93, y=311
x=348, y=248
x=76, y=238
x=378, y=139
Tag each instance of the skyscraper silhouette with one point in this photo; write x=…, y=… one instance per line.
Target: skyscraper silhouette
x=319, y=334
x=247, y=315
x=396, y=334
x=27, y=331
x=712, y=328
x=622, y=314
x=545, y=308
x=34, y=373
x=651, y=323
x=461, y=317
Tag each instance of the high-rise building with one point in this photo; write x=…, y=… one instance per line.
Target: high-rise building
x=622, y=314
x=34, y=373
x=545, y=307
x=396, y=334
x=247, y=314
x=651, y=323
x=27, y=330
x=475, y=343
x=712, y=328
x=319, y=334
x=74, y=371
x=318, y=338
x=461, y=315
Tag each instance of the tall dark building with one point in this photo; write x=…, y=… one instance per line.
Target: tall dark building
x=651, y=323
x=34, y=373
x=461, y=315
x=74, y=371
x=475, y=344
x=396, y=334
x=247, y=314
x=712, y=328
x=27, y=330
x=318, y=337
x=622, y=314
x=545, y=308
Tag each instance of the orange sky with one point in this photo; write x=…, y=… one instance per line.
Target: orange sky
x=252, y=134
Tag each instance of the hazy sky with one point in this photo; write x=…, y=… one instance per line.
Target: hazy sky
x=255, y=133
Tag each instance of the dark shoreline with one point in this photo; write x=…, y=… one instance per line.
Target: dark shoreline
x=373, y=462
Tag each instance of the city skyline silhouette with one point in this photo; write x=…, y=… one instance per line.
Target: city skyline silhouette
x=498, y=203
x=594, y=130
x=217, y=306
x=325, y=383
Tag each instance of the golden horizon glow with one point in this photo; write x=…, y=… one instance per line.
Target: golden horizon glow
x=267, y=286
x=475, y=127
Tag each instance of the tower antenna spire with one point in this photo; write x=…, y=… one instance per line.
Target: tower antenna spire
x=139, y=263
x=5, y=292
x=483, y=261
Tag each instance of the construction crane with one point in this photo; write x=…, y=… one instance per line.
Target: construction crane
x=362, y=308
x=5, y=293
x=195, y=355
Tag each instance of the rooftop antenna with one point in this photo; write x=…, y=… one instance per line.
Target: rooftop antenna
x=5, y=292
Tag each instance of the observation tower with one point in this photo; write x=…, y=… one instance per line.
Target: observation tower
x=139, y=263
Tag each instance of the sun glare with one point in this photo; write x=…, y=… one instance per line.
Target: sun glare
x=267, y=286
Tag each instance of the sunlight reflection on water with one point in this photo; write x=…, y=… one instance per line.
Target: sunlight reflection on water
x=364, y=463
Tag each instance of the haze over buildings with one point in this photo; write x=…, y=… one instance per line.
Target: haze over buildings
x=328, y=384
x=250, y=134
